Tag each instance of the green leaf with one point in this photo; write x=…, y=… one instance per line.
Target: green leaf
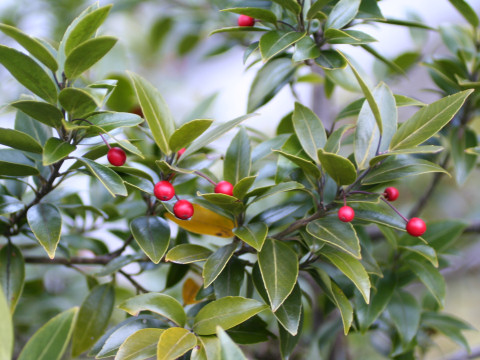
x=291, y=5
x=85, y=28
x=188, y=132
x=77, y=102
x=289, y=313
x=213, y=133
x=44, y=112
x=316, y=8
x=367, y=314
x=228, y=349
x=87, y=54
x=405, y=313
x=279, y=267
x=109, y=178
x=241, y=188
x=341, y=170
x=32, y=45
x=274, y=42
x=253, y=234
x=428, y=121
x=334, y=140
x=10, y=204
x=238, y=29
x=19, y=140
x=331, y=60
x=187, y=253
x=93, y=318
x=230, y=281
x=367, y=134
x=351, y=267
x=12, y=274
x=442, y=234
x=336, y=233
x=425, y=149
x=263, y=15
x=431, y=278
x=309, y=130
x=45, y=222
x=238, y=161
x=288, y=342
x=354, y=37
x=216, y=263
x=14, y=163
x=56, y=150
x=466, y=10
x=270, y=79
x=175, y=342
x=447, y=325
x=272, y=190
x=464, y=163
x=51, y=340
x=306, y=165
x=306, y=48
x=155, y=111
x=6, y=329
x=226, y=312
x=161, y=304
x=152, y=234
x=28, y=73
x=140, y=345
x=342, y=13
x=400, y=167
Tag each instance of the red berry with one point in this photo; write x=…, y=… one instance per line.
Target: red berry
x=245, y=20
x=183, y=209
x=116, y=156
x=180, y=152
x=224, y=187
x=416, y=227
x=346, y=213
x=391, y=193
x=137, y=110
x=163, y=190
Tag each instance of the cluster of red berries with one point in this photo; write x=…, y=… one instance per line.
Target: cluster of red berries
x=415, y=226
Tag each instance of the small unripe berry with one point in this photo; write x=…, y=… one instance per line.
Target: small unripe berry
x=346, y=213
x=391, y=193
x=183, y=209
x=116, y=156
x=224, y=187
x=163, y=190
x=180, y=152
x=416, y=227
x=245, y=20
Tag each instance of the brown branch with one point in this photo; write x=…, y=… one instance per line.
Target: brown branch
x=137, y=286
x=75, y=260
x=297, y=225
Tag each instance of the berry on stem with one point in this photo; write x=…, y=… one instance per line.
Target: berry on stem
x=346, y=213
x=224, y=187
x=391, y=193
x=245, y=20
x=116, y=156
x=180, y=152
x=163, y=190
x=416, y=227
x=183, y=209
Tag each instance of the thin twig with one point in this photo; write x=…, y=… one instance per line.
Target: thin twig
x=132, y=281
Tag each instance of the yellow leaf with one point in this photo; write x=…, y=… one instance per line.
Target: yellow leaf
x=189, y=291
x=205, y=222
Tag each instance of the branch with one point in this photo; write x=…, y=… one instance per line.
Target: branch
x=75, y=260
x=297, y=225
x=137, y=286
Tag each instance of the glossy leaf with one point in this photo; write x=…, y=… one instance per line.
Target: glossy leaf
x=425, y=149
x=10, y=204
x=342, y=13
x=273, y=190
x=340, y=169
x=331, y=60
x=51, y=340
x=241, y=188
x=187, y=253
x=334, y=140
x=174, y=342
x=405, y=313
x=291, y=5
x=288, y=342
x=316, y=8
x=464, y=163
x=351, y=267
x=87, y=54
x=56, y=150
x=6, y=329
x=14, y=163
x=226, y=312
x=238, y=161
x=289, y=313
x=466, y=10
x=428, y=121
x=253, y=234
x=309, y=130
x=155, y=111
x=447, y=325
x=306, y=165
x=306, y=48
x=354, y=37
x=188, y=132
x=441, y=235
x=235, y=29
x=12, y=274
x=216, y=263
x=78, y=102
x=28, y=73
x=19, y=140
x=152, y=234
x=230, y=280
x=44, y=112
x=336, y=233
x=279, y=267
x=32, y=45
x=140, y=345
x=109, y=178
x=93, y=318
x=431, y=278
x=45, y=221
x=109, y=121
x=274, y=42
x=228, y=349
x=260, y=14
x=161, y=304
